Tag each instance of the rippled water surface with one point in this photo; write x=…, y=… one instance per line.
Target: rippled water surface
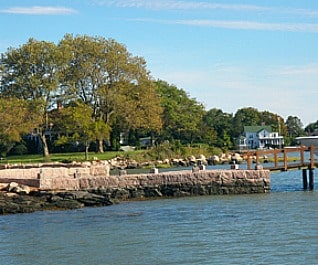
x=280, y=227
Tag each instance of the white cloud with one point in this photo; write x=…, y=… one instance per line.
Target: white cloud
x=252, y=25
x=242, y=25
x=178, y=5
x=299, y=70
x=202, y=5
x=39, y=10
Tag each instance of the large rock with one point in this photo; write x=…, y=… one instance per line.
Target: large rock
x=18, y=188
x=201, y=160
x=85, y=197
x=213, y=160
x=237, y=158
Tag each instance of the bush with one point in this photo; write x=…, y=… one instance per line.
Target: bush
x=19, y=149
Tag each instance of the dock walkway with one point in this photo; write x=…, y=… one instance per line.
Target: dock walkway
x=289, y=158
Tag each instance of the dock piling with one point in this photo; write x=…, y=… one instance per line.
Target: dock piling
x=305, y=181
x=311, y=178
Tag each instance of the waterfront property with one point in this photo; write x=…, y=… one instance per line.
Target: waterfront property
x=259, y=137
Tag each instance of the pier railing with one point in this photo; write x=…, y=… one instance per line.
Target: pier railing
x=283, y=159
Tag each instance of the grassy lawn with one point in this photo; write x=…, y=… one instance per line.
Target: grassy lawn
x=60, y=157
x=138, y=155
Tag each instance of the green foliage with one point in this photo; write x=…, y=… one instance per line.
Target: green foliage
x=294, y=129
x=182, y=116
x=15, y=120
x=62, y=140
x=91, y=89
x=219, y=126
x=100, y=73
x=312, y=127
x=103, y=74
x=19, y=149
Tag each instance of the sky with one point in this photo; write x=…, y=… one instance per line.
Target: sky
x=227, y=54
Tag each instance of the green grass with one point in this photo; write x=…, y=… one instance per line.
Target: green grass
x=138, y=155
x=60, y=157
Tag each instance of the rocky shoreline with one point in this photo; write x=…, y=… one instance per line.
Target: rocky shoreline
x=16, y=200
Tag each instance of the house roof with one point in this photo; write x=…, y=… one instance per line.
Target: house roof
x=256, y=129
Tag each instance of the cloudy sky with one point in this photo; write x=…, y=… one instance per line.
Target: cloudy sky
x=228, y=54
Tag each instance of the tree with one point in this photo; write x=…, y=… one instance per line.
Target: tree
x=15, y=120
x=116, y=85
x=182, y=116
x=312, y=128
x=31, y=72
x=222, y=124
x=294, y=126
x=245, y=117
x=78, y=124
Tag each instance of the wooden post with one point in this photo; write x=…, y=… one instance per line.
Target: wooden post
x=275, y=158
x=312, y=157
x=285, y=160
x=249, y=161
x=302, y=155
x=305, y=181
x=311, y=178
x=257, y=157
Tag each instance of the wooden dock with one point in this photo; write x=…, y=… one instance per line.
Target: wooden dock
x=289, y=158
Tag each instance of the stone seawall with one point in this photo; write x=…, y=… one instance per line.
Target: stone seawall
x=125, y=187
x=180, y=183
x=72, y=188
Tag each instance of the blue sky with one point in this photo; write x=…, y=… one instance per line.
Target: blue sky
x=228, y=54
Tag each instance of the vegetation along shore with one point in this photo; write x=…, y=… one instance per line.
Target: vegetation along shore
x=89, y=99
x=91, y=94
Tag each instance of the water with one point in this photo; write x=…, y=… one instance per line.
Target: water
x=275, y=228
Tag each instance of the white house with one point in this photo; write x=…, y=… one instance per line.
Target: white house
x=259, y=137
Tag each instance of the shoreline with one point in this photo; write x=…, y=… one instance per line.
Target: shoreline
x=13, y=203
x=61, y=193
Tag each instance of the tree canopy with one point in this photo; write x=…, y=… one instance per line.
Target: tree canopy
x=98, y=72
x=93, y=90
x=182, y=115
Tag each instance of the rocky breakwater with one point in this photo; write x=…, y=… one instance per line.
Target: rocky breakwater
x=121, y=162
x=19, y=198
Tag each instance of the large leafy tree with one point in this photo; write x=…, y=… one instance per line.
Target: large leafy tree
x=294, y=126
x=182, y=115
x=253, y=117
x=245, y=117
x=31, y=73
x=221, y=123
x=116, y=85
x=99, y=73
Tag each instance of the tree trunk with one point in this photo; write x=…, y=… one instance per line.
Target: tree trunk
x=86, y=150
x=46, y=153
x=100, y=144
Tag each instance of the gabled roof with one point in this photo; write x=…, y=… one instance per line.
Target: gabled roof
x=256, y=129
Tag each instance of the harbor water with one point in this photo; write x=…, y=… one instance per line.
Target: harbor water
x=279, y=227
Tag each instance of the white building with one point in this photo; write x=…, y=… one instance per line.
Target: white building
x=260, y=137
